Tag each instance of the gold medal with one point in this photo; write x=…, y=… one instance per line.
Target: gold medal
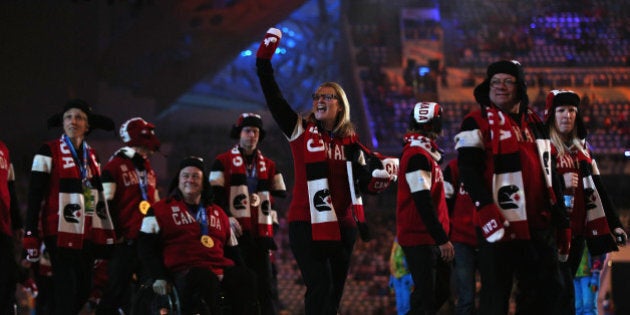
x=254, y=200
x=144, y=207
x=207, y=241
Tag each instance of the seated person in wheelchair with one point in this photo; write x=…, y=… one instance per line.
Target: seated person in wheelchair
x=185, y=240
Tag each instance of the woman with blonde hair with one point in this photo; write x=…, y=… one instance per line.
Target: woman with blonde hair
x=331, y=167
x=593, y=219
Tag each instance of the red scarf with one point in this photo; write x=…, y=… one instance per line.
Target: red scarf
x=247, y=206
x=597, y=233
x=76, y=223
x=325, y=226
x=508, y=175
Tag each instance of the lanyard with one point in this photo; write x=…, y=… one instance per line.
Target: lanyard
x=143, y=183
x=82, y=164
x=203, y=220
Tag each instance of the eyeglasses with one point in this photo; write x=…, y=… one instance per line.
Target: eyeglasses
x=328, y=97
x=495, y=83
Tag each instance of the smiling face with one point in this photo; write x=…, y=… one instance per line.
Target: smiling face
x=565, y=120
x=326, y=110
x=191, y=184
x=75, y=123
x=503, y=92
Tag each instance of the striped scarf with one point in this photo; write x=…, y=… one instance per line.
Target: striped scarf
x=83, y=212
x=255, y=206
x=598, y=237
x=325, y=226
x=507, y=182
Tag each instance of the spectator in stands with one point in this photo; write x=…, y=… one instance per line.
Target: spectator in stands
x=462, y=216
x=130, y=188
x=592, y=214
x=66, y=195
x=328, y=162
x=10, y=230
x=421, y=211
x=400, y=280
x=186, y=240
x=243, y=182
x=501, y=158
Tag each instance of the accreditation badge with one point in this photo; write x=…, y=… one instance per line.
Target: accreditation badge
x=88, y=199
x=207, y=241
x=144, y=207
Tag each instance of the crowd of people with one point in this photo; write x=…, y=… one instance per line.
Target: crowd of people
x=523, y=207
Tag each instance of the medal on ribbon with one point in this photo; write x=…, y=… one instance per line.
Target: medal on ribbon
x=144, y=207
x=207, y=241
x=254, y=200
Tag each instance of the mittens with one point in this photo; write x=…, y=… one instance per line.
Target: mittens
x=31, y=245
x=269, y=44
x=491, y=222
x=564, y=244
x=380, y=181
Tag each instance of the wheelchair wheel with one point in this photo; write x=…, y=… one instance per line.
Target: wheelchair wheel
x=147, y=302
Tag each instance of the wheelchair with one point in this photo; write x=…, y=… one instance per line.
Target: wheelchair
x=147, y=302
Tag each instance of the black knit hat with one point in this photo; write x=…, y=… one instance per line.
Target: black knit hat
x=191, y=161
x=247, y=120
x=194, y=161
x=95, y=121
x=557, y=98
x=511, y=67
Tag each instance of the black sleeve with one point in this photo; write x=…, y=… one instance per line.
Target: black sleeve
x=471, y=163
x=424, y=203
x=609, y=207
x=150, y=254
x=16, y=217
x=280, y=109
x=234, y=253
x=38, y=186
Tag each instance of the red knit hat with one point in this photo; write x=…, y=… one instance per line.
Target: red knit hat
x=426, y=116
x=136, y=132
x=247, y=120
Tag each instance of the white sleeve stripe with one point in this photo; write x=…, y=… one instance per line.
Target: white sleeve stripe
x=11, y=174
x=150, y=225
x=418, y=180
x=278, y=182
x=109, y=189
x=216, y=178
x=469, y=139
x=42, y=163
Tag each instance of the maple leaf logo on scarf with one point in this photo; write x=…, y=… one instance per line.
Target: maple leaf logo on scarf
x=508, y=196
x=240, y=202
x=321, y=200
x=70, y=212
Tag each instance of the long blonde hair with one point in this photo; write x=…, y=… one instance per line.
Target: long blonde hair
x=343, y=125
x=560, y=144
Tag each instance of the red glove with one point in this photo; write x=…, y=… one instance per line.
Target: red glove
x=30, y=287
x=31, y=245
x=491, y=222
x=564, y=244
x=269, y=44
x=380, y=180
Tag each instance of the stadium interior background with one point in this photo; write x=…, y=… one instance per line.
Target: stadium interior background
x=188, y=66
